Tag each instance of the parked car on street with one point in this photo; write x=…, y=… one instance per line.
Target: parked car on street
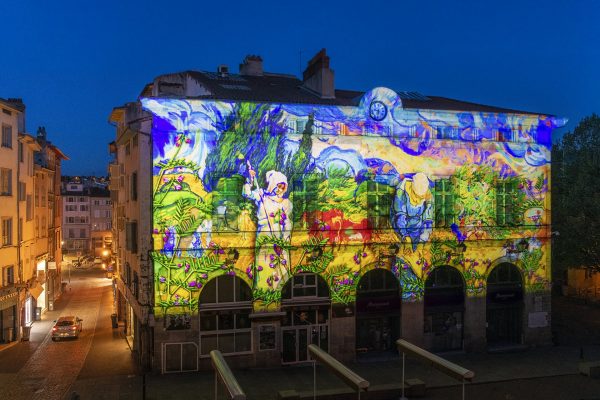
x=68, y=326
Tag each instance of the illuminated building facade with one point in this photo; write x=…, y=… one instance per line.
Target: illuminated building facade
x=286, y=212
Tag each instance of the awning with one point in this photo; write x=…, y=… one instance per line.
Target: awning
x=36, y=291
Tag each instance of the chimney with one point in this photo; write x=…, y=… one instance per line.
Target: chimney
x=16, y=102
x=223, y=71
x=252, y=66
x=318, y=77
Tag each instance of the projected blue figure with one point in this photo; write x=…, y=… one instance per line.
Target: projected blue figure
x=412, y=209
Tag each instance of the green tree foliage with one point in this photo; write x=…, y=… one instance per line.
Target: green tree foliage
x=576, y=197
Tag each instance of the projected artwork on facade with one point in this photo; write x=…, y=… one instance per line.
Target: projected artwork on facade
x=265, y=192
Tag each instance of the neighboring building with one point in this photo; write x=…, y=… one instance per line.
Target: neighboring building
x=48, y=219
x=130, y=177
x=257, y=213
x=87, y=218
x=26, y=225
x=30, y=254
x=101, y=222
x=12, y=122
x=76, y=219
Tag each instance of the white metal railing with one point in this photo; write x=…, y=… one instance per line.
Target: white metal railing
x=344, y=373
x=453, y=370
x=223, y=372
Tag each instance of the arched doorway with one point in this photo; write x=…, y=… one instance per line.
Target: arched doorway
x=504, y=305
x=225, y=307
x=306, y=303
x=378, y=308
x=444, y=309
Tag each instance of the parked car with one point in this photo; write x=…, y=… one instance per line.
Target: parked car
x=98, y=260
x=68, y=326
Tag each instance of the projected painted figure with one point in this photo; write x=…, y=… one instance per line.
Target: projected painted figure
x=274, y=214
x=412, y=209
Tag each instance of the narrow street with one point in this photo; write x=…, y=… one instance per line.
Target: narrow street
x=43, y=369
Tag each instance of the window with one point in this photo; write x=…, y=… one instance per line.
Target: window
x=305, y=196
x=37, y=226
x=7, y=136
x=21, y=153
x=444, y=203
x=8, y=275
x=6, y=231
x=5, y=182
x=135, y=286
x=20, y=230
x=71, y=208
x=225, y=324
x=82, y=208
x=230, y=194
x=70, y=199
x=305, y=285
x=134, y=140
x=82, y=199
x=131, y=236
x=127, y=149
x=133, y=181
x=379, y=203
x=378, y=282
x=28, y=208
x=44, y=229
x=127, y=273
x=96, y=202
x=71, y=233
x=82, y=233
x=505, y=192
x=300, y=125
x=22, y=191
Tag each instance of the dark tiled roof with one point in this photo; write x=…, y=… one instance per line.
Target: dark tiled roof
x=267, y=88
x=280, y=88
x=444, y=103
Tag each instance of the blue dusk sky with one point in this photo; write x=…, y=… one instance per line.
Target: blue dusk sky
x=73, y=61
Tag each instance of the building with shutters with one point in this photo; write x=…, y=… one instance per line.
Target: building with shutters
x=257, y=213
x=30, y=251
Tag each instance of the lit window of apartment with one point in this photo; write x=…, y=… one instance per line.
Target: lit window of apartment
x=8, y=275
x=5, y=182
x=6, y=231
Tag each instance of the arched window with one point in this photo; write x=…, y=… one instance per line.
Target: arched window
x=444, y=309
x=505, y=274
x=504, y=306
x=225, y=305
x=305, y=286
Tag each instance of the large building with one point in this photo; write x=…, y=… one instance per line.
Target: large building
x=257, y=213
x=87, y=221
x=30, y=253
